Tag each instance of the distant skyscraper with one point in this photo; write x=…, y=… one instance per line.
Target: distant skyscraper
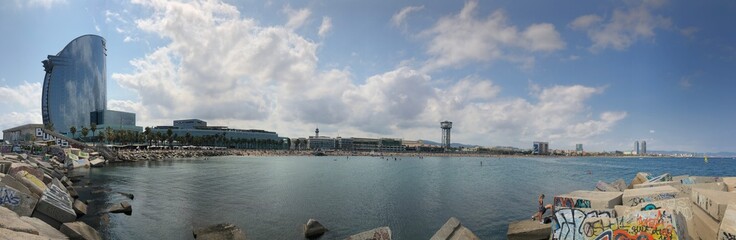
x=75, y=83
x=636, y=147
x=644, y=147
x=540, y=148
x=446, y=126
x=579, y=148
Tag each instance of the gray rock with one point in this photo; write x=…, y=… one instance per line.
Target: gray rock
x=10, y=220
x=219, y=232
x=381, y=233
x=57, y=205
x=528, y=230
x=313, y=229
x=79, y=208
x=620, y=184
x=44, y=229
x=80, y=230
x=11, y=181
x=4, y=166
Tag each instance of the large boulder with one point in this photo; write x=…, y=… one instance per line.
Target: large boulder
x=453, y=230
x=527, y=230
x=588, y=199
x=313, y=229
x=381, y=233
x=123, y=207
x=17, y=167
x=10, y=220
x=713, y=202
x=44, y=229
x=7, y=234
x=80, y=230
x=55, y=207
x=219, y=232
x=79, y=208
x=637, y=196
x=32, y=182
x=727, y=230
x=17, y=201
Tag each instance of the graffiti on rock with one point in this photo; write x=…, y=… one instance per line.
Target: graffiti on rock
x=655, y=224
x=568, y=222
x=571, y=202
x=635, y=201
x=8, y=196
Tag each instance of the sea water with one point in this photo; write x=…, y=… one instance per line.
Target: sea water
x=270, y=197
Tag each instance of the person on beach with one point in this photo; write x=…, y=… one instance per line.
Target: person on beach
x=541, y=210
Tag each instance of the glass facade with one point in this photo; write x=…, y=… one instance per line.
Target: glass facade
x=112, y=118
x=75, y=83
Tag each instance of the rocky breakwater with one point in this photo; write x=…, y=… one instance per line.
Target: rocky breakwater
x=650, y=207
x=37, y=200
x=146, y=155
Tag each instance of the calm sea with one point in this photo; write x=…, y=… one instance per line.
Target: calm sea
x=270, y=197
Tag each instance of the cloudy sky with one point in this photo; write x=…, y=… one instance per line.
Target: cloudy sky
x=506, y=73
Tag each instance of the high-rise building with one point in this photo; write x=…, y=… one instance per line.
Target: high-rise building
x=579, y=148
x=636, y=147
x=75, y=84
x=446, y=127
x=643, y=147
x=540, y=148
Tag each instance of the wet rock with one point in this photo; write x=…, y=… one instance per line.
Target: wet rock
x=129, y=195
x=80, y=230
x=10, y=220
x=123, y=207
x=44, y=229
x=381, y=233
x=219, y=231
x=313, y=229
x=80, y=208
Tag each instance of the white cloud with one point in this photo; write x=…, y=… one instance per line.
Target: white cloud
x=325, y=27
x=231, y=71
x=26, y=96
x=686, y=82
x=297, y=17
x=689, y=31
x=651, y=131
x=398, y=18
x=585, y=21
x=462, y=38
x=624, y=27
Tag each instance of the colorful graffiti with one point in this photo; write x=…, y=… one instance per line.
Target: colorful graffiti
x=571, y=202
x=568, y=222
x=650, y=225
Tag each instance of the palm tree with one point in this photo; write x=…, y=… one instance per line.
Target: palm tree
x=49, y=126
x=109, y=136
x=101, y=137
x=73, y=130
x=147, y=132
x=93, y=127
x=85, y=131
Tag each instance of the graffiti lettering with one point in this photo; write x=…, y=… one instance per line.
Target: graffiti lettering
x=635, y=201
x=7, y=196
x=568, y=223
x=569, y=202
x=728, y=236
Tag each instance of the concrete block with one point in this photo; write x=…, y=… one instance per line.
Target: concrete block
x=219, y=231
x=661, y=178
x=641, y=177
x=654, y=224
x=10, y=220
x=453, y=229
x=10, y=234
x=730, y=183
x=34, y=184
x=605, y=187
x=123, y=207
x=10, y=181
x=44, y=229
x=727, y=230
x=79, y=208
x=57, y=205
x=634, y=197
x=588, y=199
x=705, y=225
x=686, y=189
x=679, y=178
x=713, y=202
x=5, y=166
x=381, y=233
x=527, y=230
x=17, y=167
x=681, y=209
x=80, y=230
x=657, y=184
x=704, y=179
x=17, y=201
x=568, y=222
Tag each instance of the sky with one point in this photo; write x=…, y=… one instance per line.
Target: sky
x=506, y=73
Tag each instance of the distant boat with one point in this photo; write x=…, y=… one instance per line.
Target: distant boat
x=705, y=159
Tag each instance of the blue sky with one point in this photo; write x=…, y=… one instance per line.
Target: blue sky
x=601, y=73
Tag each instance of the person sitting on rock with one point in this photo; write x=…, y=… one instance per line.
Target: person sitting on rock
x=541, y=210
